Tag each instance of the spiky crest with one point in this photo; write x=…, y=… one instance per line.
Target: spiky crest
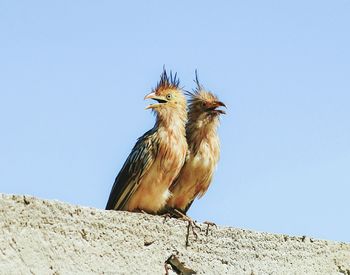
x=167, y=82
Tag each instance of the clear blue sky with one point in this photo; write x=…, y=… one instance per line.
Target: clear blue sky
x=73, y=75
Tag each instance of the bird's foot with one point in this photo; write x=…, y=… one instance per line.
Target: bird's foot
x=193, y=226
x=167, y=216
x=138, y=210
x=174, y=213
x=208, y=225
x=177, y=214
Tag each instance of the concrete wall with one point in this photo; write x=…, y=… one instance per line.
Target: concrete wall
x=50, y=237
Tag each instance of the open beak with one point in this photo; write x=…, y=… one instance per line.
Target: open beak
x=153, y=96
x=215, y=105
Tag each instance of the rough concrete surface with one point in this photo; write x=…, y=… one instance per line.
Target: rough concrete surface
x=49, y=237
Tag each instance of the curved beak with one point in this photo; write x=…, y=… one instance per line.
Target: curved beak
x=217, y=104
x=153, y=96
x=150, y=95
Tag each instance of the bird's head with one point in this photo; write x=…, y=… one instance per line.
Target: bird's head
x=169, y=97
x=204, y=106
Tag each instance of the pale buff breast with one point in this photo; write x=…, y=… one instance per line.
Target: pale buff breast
x=153, y=190
x=196, y=175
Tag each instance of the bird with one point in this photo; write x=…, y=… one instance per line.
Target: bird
x=142, y=185
x=203, y=150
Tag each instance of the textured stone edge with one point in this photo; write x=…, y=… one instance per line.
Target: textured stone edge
x=99, y=241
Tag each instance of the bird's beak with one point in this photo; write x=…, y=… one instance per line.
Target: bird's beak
x=150, y=95
x=217, y=104
x=153, y=96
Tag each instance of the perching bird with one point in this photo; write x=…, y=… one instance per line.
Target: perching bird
x=203, y=149
x=143, y=182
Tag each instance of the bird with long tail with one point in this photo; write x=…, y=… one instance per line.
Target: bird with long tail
x=158, y=156
x=197, y=173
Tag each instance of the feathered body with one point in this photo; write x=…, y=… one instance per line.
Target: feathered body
x=203, y=150
x=156, y=159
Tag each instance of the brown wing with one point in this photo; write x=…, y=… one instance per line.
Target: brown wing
x=136, y=165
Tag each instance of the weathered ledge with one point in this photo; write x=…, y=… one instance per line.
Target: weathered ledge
x=49, y=237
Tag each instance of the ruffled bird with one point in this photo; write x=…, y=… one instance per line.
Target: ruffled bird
x=155, y=161
x=203, y=149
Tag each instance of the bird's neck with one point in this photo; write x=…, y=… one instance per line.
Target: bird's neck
x=173, y=122
x=198, y=131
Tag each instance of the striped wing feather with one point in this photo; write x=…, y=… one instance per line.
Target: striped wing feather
x=136, y=165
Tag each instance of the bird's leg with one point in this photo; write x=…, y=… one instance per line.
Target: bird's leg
x=191, y=225
x=167, y=216
x=168, y=213
x=174, y=213
x=208, y=225
x=138, y=210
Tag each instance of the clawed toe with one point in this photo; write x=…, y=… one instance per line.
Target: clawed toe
x=208, y=225
x=193, y=226
x=166, y=216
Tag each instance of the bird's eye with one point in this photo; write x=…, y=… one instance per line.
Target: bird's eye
x=169, y=96
x=204, y=104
